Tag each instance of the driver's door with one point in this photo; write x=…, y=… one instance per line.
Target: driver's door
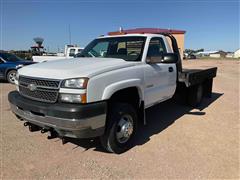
x=160, y=78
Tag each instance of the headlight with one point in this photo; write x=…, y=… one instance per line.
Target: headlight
x=73, y=98
x=78, y=83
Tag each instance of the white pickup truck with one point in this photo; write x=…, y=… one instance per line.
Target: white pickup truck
x=105, y=92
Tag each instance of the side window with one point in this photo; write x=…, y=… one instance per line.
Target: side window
x=156, y=47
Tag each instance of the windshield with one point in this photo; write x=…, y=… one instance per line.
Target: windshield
x=10, y=57
x=127, y=48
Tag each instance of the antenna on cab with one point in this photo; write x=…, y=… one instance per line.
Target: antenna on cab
x=120, y=29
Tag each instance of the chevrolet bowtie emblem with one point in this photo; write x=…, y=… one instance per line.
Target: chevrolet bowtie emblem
x=32, y=87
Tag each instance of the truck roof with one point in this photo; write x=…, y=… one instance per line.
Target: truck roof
x=147, y=31
x=128, y=35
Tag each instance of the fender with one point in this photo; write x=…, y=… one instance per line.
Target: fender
x=112, y=88
x=9, y=69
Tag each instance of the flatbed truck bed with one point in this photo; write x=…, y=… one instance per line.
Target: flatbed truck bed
x=195, y=76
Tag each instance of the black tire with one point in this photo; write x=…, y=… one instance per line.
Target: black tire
x=110, y=140
x=11, y=76
x=195, y=95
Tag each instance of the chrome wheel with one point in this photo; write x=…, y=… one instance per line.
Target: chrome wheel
x=12, y=77
x=124, y=129
x=121, y=128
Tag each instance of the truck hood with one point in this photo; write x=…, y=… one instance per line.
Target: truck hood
x=73, y=68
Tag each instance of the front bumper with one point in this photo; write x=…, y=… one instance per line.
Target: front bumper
x=70, y=120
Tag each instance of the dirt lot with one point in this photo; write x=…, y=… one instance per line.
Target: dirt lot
x=178, y=142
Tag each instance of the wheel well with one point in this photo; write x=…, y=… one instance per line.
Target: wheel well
x=7, y=71
x=128, y=95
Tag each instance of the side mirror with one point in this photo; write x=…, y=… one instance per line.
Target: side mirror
x=170, y=58
x=165, y=58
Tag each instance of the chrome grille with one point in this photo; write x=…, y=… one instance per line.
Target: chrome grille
x=45, y=90
x=39, y=82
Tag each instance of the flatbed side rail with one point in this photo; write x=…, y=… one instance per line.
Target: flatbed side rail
x=192, y=77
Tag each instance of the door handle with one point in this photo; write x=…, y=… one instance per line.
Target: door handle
x=170, y=69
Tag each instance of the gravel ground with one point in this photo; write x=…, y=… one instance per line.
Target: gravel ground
x=178, y=142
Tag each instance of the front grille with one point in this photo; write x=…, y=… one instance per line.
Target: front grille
x=39, y=82
x=45, y=90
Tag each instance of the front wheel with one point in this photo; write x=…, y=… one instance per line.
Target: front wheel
x=120, y=129
x=11, y=75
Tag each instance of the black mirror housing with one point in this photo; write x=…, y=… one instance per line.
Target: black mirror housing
x=165, y=58
x=170, y=58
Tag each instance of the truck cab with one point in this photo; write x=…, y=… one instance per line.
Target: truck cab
x=105, y=92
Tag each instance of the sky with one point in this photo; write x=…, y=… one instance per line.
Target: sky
x=212, y=25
